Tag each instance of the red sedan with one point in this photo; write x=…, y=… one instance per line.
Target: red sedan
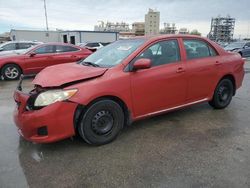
x=34, y=59
x=123, y=82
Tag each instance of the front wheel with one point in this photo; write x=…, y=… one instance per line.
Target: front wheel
x=11, y=72
x=102, y=122
x=223, y=94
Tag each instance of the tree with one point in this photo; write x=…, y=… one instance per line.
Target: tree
x=195, y=32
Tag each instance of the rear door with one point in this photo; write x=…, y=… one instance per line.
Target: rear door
x=203, y=64
x=164, y=84
x=66, y=54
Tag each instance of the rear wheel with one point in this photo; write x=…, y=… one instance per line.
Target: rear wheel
x=223, y=94
x=101, y=123
x=11, y=72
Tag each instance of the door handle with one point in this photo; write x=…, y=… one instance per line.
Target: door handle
x=73, y=56
x=180, y=70
x=217, y=63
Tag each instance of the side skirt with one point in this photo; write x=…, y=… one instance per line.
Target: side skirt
x=171, y=109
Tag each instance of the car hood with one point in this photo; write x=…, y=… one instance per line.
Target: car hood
x=58, y=75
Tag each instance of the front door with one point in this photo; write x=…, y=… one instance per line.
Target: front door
x=39, y=59
x=163, y=85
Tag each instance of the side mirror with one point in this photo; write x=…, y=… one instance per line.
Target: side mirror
x=32, y=54
x=142, y=63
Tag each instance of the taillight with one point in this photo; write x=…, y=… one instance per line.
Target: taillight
x=244, y=60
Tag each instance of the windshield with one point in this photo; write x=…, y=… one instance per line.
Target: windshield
x=114, y=53
x=236, y=45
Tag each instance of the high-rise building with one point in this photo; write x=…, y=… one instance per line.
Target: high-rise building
x=138, y=28
x=152, y=22
x=222, y=29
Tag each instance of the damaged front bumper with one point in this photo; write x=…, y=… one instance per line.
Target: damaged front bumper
x=48, y=124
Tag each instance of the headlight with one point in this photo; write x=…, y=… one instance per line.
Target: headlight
x=48, y=97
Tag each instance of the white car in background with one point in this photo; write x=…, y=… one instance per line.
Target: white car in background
x=16, y=47
x=93, y=46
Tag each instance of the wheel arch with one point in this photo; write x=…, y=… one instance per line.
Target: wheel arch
x=230, y=77
x=81, y=109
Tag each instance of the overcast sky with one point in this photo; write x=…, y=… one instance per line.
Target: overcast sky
x=84, y=14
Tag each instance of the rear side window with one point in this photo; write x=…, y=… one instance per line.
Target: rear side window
x=163, y=52
x=198, y=49
x=45, y=49
x=24, y=45
x=60, y=48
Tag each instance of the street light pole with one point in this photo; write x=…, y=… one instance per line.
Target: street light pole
x=46, y=17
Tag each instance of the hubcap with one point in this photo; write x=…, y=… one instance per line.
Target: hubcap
x=224, y=93
x=11, y=72
x=102, y=123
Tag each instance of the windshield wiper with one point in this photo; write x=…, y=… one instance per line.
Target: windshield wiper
x=90, y=63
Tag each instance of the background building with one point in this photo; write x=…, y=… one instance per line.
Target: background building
x=183, y=31
x=169, y=29
x=113, y=27
x=34, y=35
x=222, y=29
x=152, y=22
x=138, y=28
x=75, y=37
x=4, y=37
x=72, y=37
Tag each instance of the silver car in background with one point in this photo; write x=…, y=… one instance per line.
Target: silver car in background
x=16, y=46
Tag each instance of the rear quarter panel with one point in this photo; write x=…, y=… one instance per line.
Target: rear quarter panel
x=232, y=64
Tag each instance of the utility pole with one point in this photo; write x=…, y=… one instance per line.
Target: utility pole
x=46, y=17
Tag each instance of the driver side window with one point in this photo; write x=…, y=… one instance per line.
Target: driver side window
x=45, y=50
x=163, y=52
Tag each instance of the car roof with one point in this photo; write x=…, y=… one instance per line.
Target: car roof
x=58, y=43
x=164, y=36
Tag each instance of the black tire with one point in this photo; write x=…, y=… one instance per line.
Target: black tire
x=102, y=122
x=223, y=94
x=11, y=72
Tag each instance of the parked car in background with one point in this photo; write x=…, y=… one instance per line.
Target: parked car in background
x=123, y=82
x=243, y=48
x=223, y=44
x=36, y=58
x=93, y=46
x=16, y=46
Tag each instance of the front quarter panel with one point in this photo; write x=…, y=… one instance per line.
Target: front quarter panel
x=114, y=82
